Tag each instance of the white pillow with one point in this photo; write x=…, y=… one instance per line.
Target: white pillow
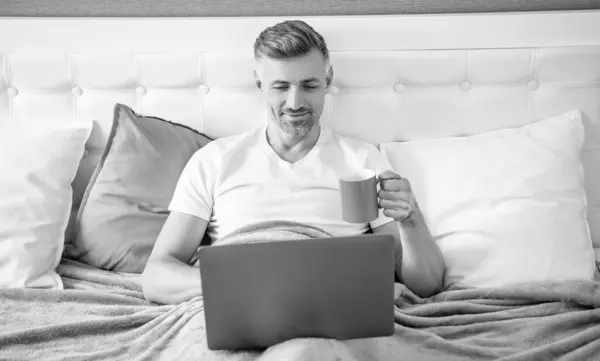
x=38, y=162
x=505, y=206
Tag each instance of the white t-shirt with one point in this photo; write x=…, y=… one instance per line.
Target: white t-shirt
x=239, y=180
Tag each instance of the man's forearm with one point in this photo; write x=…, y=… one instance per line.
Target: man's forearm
x=171, y=282
x=422, y=265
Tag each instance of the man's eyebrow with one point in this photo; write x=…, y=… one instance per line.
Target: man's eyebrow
x=310, y=80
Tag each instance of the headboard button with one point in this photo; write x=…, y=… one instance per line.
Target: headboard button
x=203, y=89
x=465, y=85
x=76, y=91
x=12, y=91
x=533, y=85
x=333, y=90
x=398, y=88
x=140, y=90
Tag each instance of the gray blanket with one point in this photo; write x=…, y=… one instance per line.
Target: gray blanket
x=103, y=316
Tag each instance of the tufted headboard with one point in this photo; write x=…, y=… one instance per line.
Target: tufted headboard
x=397, y=78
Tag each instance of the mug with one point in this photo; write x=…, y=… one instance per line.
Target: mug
x=358, y=192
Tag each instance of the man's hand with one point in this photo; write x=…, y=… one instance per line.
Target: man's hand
x=396, y=197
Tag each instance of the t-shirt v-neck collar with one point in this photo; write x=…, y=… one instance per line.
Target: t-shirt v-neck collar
x=271, y=152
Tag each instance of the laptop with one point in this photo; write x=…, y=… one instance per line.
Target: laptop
x=260, y=294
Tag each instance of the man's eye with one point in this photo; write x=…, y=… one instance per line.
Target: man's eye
x=280, y=87
x=311, y=86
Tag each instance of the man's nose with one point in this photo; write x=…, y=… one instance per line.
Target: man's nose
x=294, y=99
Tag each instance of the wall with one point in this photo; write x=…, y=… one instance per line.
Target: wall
x=276, y=7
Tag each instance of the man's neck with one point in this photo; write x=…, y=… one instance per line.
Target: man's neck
x=292, y=148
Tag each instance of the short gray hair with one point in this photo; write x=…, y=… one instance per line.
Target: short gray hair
x=289, y=39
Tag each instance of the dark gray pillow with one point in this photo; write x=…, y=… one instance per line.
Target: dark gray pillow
x=126, y=201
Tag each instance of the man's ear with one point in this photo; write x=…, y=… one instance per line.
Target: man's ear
x=257, y=81
x=329, y=76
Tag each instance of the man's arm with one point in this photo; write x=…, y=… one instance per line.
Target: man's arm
x=168, y=278
x=419, y=261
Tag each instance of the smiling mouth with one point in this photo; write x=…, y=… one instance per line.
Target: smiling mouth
x=296, y=115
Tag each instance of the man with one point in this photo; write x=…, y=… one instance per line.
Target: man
x=287, y=170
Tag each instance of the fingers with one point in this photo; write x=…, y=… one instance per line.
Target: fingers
x=393, y=182
x=388, y=174
x=399, y=215
x=397, y=205
x=395, y=185
x=394, y=195
x=391, y=204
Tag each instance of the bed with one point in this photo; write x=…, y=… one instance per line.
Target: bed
x=495, y=119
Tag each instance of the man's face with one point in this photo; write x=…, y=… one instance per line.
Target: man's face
x=295, y=90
